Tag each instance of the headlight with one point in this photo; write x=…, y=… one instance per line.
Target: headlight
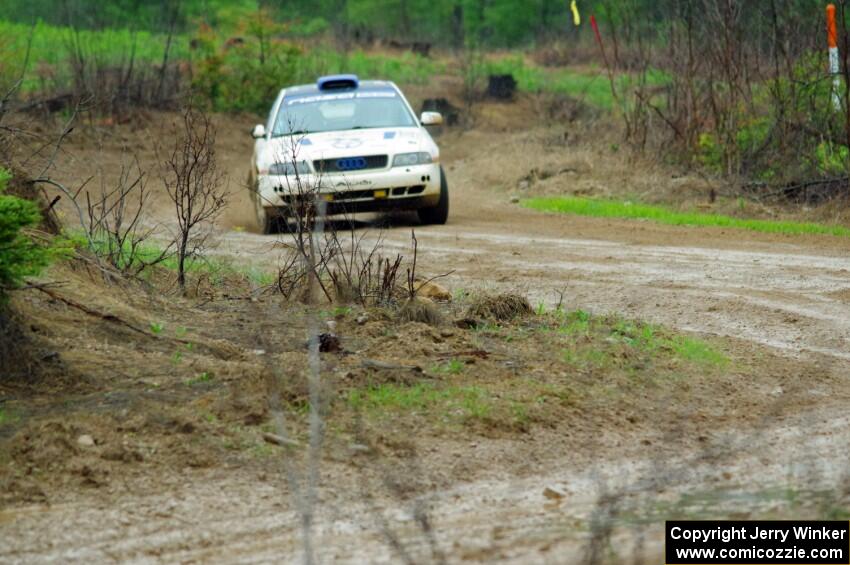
x=409, y=159
x=290, y=169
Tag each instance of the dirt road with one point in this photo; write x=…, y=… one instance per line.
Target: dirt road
x=788, y=294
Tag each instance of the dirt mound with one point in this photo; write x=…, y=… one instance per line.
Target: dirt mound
x=23, y=361
x=55, y=452
x=136, y=375
x=16, y=356
x=91, y=450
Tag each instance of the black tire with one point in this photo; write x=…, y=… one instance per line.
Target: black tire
x=277, y=223
x=265, y=222
x=270, y=224
x=439, y=214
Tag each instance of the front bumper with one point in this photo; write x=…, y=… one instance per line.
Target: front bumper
x=399, y=187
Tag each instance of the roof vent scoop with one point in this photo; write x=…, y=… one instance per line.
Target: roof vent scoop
x=338, y=82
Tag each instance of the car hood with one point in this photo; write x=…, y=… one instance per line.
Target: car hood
x=350, y=143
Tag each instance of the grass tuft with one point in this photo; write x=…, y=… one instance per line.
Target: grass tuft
x=204, y=377
x=697, y=351
x=451, y=367
x=502, y=307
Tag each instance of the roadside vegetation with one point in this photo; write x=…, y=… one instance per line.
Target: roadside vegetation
x=236, y=67
x=664, y=215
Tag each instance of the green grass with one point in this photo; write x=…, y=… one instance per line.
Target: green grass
x=696, y=351
x=617, y=209
x=8, y=419
x=601, y=341
x=52, y=46
x=404, y=68
x=51, y=49
x=576, y=323
x=650, y=339
x=204, y=377
x=590, y=86
x=589, y=360
x=449, y=401
x=215, y=267
x=451, y=367
x=336, y=312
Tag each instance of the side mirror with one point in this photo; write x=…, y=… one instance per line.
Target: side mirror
x=431, y=119
x=258, y=131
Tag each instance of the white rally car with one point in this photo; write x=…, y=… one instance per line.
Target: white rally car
x=356, y=144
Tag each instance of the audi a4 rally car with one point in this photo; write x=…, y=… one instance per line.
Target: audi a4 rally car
x=358, y=145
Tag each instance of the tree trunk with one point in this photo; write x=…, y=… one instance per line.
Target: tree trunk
x=181, y=262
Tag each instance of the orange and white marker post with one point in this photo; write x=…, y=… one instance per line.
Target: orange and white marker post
x=832, y=40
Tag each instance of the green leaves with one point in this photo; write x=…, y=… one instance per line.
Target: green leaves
x=20, y=257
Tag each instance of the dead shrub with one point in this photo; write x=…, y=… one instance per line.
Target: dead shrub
x=116, y=222
x=565, y=109
x=501, y=307
x=335, y=259
x=195, y=185
x=560, y=53
x=361, y=274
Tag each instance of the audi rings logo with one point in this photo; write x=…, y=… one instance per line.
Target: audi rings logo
x=351, y=164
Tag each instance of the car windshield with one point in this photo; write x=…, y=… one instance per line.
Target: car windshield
x=343, y=111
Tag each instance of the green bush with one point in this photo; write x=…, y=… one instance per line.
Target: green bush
x=781, y=132
x=237, y=79
x=19, y=256
x=709, y=153
x=245, y=77
x=831, y=159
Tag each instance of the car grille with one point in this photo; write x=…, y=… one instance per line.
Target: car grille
x=345, y=195
x=350, y=164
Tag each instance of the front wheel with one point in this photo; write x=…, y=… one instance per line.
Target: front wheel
x=267, y=222
x=438, y=214
x=272, y=221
